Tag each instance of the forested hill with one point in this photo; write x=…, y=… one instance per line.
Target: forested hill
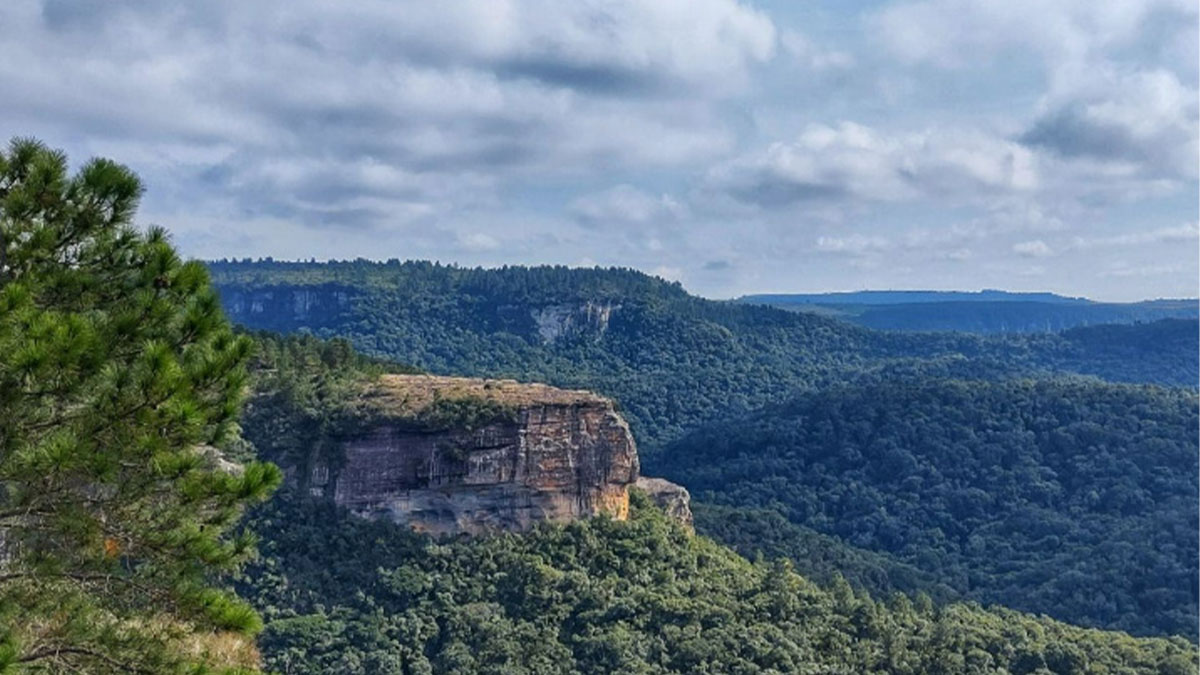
x=985, y=312
x=673, y=360
x=341, y=594
x=640, y=596
x=1072, y=498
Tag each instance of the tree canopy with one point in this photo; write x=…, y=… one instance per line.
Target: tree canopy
x=603, y=596
x=1074, y=498
x=119, y=377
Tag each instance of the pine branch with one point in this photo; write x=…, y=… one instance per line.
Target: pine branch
x=56, y=652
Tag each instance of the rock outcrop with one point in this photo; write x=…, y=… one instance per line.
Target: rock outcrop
x=557, y=321
x=448, y=455
x=672, y=498
x=285, y=307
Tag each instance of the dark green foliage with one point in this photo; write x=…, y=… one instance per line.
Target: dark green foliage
x=306, y=392
x=467, y=413
x=1163, y=352
x=672, y=360
x=763, y=532
x=116, y=365
x=309, y=393
x=619, y=597
x=1072, y=498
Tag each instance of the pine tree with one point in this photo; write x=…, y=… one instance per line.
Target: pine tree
x=119, y=375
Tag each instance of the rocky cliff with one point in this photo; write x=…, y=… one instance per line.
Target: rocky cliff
x=673, y=499
x=448, y=455
x=283, y=307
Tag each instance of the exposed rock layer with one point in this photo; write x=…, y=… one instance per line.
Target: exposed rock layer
x=673, y=499
x=547, y=455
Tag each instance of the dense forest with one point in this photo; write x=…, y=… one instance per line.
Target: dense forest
x=1073, y=498
x=998, y=505
x=1025, y=493
x=345, y=595
x=673, y=360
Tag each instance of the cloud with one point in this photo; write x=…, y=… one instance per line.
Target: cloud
x=614, y=47
x=853, y=245
x=1181, y=233
x=812, y=56
x=853, y=161
x=1119, y=76
x=626, y=205
x=668, y=272
x=1123, y=270
x=390, y=113
x=1146, y=120
x=478, y=241
x=966, y=33
x=1032, y=249
x=717, y=266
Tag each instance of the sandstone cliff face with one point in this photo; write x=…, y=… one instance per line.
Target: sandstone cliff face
x=547, y=455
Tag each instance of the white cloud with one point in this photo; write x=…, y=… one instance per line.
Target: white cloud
x=1181, y=233
x=668, y=272
x=963, y=33
x=627, y=205
x=1117, y=91
x=853, y=245
x=1032, y=249
x=852, y=161
x=1123, y=270
x=1143, y=120
x=812, y=56
x=389, y=112
x=478, y=241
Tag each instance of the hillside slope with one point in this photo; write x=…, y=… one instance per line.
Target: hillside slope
x=1072, y=498
x=639, y=596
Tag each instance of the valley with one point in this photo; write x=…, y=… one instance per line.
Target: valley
x=1023, y=471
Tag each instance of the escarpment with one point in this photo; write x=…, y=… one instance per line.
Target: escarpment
x=447, y=455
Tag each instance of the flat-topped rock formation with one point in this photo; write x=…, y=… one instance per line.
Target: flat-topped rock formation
x=450, y=454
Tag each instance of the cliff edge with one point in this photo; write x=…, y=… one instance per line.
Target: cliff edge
x=448, y=455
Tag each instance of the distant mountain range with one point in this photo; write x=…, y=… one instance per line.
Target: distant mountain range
x=987, y=311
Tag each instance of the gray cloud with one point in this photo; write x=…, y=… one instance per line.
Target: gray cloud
x=625, y=205
x=1147, y=120
x=855, y=162
x=450, y=98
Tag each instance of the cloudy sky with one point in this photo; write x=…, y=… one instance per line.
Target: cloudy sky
x=734, y=146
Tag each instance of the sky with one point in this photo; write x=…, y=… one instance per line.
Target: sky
x=736, y=147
